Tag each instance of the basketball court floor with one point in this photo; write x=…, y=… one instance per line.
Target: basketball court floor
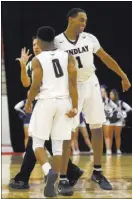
x=118, y=170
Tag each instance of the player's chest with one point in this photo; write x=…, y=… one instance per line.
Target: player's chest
x=82, y=46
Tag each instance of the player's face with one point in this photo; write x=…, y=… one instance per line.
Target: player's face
x=112, y=96
x=36, y=48
x=103, y=92
x=79, y=22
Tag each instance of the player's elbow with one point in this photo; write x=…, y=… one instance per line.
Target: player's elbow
x=108, y=60
x=73, y=88
x=105, y=57
x=25, y=83
x=73, y=75
x=74, y=70
x=16, y=108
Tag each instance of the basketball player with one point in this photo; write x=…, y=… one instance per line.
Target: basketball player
x=82, y=46
x=54, y=82
x=21, y=180
x=83, y=130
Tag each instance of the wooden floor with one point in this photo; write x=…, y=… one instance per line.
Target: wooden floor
x=118, y=170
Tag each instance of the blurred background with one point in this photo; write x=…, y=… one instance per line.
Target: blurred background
x=110, y=22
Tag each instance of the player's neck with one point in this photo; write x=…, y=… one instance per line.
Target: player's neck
x=71, y=34
x=48, y=47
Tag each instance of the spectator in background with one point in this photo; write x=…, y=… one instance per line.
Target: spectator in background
x=83, y=130
x=116, y=128
x=109, y=107
x=25, y=117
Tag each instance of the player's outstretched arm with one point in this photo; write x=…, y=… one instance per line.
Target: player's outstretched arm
x=36, y=83
x=113, y=65
x=72, y=72
x=23, y=61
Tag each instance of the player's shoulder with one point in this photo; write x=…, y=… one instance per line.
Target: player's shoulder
x=88, y=36
x=61, y=52
x=39, y=55
x=59, y=38
x=42, y=55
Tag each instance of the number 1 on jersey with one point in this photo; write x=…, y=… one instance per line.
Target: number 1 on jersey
x=79, y=62
x=57, y=68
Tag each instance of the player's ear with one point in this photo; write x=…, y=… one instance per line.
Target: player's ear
x=70, y=20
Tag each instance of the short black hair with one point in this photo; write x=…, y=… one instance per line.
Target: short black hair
x=74, y=12
x=46, y=33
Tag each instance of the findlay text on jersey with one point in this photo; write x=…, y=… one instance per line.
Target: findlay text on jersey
x=77, y=50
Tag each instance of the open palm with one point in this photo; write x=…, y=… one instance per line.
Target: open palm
x=24, y=56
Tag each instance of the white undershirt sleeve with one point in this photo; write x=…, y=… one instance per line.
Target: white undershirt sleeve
x=18, y=106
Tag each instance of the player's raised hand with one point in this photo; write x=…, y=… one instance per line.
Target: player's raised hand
x=125, y=84
x=72, y=113
x=24, y=56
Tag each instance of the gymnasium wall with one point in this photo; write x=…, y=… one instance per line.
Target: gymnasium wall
x=110, y=22
x=6, y=141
